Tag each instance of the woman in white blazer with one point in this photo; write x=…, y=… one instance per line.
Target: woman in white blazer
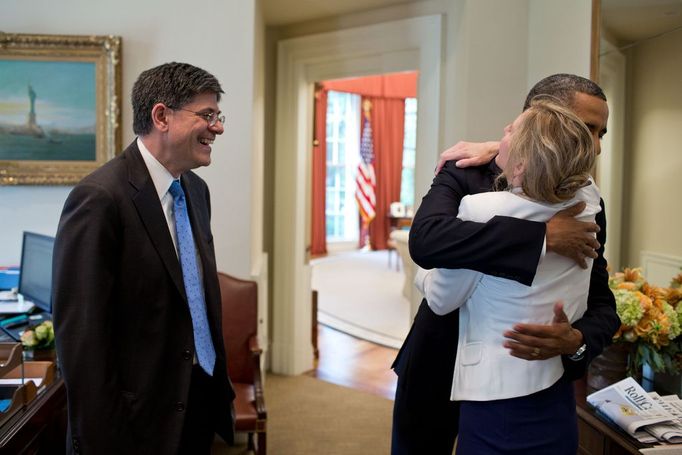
x=508, y=404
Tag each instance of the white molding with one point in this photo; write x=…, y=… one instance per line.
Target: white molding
x=409, y=44
x=612, y=78
x=659, y=268
x=259, y=274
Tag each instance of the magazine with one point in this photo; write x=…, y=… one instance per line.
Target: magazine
x=648, y=417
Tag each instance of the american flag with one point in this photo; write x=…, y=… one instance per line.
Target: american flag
x=366, y=180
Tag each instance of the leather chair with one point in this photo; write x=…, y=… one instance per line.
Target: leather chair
x=240, y=322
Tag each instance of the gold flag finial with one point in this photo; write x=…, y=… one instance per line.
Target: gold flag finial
x=366, y=107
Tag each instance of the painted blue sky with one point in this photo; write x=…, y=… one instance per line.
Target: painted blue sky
x=65, y=93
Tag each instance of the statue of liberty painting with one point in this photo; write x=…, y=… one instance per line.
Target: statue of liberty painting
x=32, y=127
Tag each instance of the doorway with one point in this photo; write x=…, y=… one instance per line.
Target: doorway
x=363, y=161
x=405, y=45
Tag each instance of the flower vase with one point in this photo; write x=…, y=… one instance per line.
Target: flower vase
x=39, y=354
x=44, y=354
x=663, y=383
x=610, y=367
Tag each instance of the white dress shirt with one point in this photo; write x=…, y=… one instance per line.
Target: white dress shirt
x=484, y=369
x=162, y=181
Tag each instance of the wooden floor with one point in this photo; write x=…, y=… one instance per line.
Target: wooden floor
x=355, y=363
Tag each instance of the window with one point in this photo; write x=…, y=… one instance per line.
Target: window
x=409, y=153
x=343, y=157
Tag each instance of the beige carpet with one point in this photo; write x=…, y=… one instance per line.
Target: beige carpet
x=359, y=294
x=308, y=416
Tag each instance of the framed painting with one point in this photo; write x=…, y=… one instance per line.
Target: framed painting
x=60, y=106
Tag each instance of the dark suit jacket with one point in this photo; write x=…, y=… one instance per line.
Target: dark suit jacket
x=123, y=327
x=505, y=247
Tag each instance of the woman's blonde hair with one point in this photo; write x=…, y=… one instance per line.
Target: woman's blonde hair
x=555, y=149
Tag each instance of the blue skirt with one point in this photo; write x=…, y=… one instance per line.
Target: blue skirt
x=542, y=423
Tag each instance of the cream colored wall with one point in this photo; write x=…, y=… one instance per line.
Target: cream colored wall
x=486, y=57
x=218, y=35
x=653, y=218
x=559, y=38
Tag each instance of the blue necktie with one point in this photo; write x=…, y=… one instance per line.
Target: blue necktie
x=190, y=275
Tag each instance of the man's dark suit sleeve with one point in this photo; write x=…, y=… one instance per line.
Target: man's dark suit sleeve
x=84, y=277
x=505, y=247
x=600, y=322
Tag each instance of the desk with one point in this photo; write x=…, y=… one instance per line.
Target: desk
x=398, y=222
x=40, y=426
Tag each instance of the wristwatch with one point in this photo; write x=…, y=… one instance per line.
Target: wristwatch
x=579, y=354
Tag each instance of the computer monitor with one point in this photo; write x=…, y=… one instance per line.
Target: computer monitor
x=35, y=278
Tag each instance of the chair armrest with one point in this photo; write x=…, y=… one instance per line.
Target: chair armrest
x=256, y=351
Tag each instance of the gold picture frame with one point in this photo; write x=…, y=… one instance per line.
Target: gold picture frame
x=60, y=106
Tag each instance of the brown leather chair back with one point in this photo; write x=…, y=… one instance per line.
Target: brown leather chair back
x=240, y=323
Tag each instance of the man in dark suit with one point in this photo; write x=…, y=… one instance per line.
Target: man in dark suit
x=140, y=346
x=424, y=418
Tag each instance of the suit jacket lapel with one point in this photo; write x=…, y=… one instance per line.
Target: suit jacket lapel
x=148, y=206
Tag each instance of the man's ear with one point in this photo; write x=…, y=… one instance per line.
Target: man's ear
x=160, y=116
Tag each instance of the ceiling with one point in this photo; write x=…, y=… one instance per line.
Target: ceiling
x=629, y=21
x=625, y=20
x=284, y=12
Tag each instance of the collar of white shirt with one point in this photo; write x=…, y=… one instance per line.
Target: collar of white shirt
x=160, y=176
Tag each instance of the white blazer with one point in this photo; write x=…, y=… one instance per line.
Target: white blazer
x=484, y=369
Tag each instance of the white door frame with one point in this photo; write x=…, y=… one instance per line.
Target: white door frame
x=404, y=45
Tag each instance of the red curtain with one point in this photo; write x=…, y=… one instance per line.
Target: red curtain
x=388, y=131
x=387, y=94
x=318, y=243
x=397, y=85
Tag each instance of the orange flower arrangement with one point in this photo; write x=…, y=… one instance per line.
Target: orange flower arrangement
x=651, y=319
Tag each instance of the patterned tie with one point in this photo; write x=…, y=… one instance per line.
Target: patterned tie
x=190, y=275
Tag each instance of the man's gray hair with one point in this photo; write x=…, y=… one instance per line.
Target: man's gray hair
x=173, y=84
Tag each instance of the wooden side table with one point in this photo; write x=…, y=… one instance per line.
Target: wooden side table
x=595, y=436
x=40, y=426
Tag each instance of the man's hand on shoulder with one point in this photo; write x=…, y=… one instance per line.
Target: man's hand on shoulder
x=540, y=342
x=469, y=154
x=572, y=238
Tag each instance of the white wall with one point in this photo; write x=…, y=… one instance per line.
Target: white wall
x=215, y=35
x=558, y=38
x=486, y=58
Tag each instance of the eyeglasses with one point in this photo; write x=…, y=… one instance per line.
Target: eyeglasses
x=211, y=117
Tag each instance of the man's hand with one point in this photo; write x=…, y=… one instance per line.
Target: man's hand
x=468, y=154
x=572, y=238
x=540, y=342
